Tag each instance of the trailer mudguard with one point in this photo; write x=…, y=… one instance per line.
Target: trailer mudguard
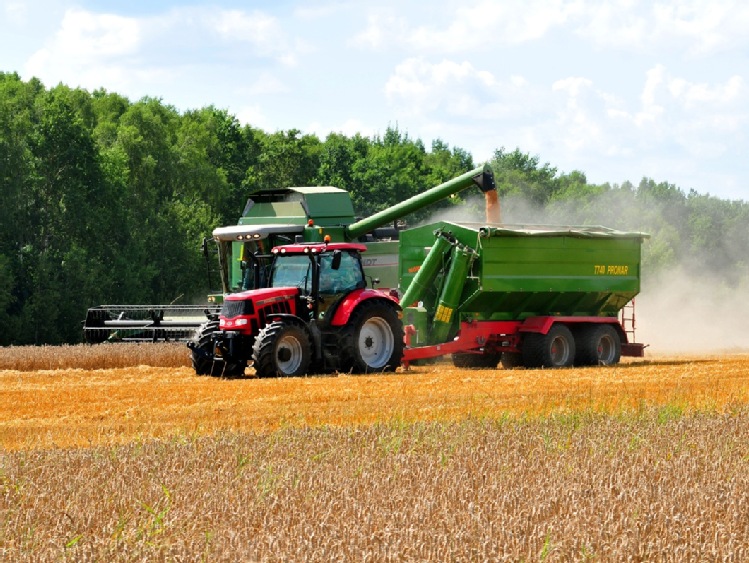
x=542, y=325
x=352, y=300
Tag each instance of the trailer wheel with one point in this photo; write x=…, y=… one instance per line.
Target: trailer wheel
x=282, y=349
x=372, y=340
x=483, y=360
x=511, y=360
x=555, y=349
x=598, y=345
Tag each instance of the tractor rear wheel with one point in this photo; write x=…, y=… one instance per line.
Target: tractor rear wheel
x=372, y=341
x=282, y=349
x=598, y=345
x=555, y=349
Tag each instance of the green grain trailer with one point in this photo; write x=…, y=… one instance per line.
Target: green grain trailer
x=536, y=296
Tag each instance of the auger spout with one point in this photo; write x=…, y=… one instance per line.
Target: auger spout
x=483, y=177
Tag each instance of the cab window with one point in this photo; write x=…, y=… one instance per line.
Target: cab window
x=346, y=278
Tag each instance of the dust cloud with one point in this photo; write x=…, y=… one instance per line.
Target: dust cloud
x=679, y=311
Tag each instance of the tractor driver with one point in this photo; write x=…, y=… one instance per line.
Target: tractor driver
x=346, y=278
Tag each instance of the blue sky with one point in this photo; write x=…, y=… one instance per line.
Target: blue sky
x=618, y=89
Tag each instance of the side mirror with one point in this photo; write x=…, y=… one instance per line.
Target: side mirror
x=336, y=262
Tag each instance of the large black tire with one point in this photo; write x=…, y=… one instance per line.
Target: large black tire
x=282, y=349
x=372, y=341
x=479, y=361
x=511, y=360
x=555, y=349
x=202, y=350
x=204, y=361
x=598, y=345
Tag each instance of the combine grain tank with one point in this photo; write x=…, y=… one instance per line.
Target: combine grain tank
x=536, y=296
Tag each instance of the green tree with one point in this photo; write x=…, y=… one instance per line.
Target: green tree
x=520, y=174
x=286, y=158
x=392, y=170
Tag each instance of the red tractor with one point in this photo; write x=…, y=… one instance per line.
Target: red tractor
x=314, y=315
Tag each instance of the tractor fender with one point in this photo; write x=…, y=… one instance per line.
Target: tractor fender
x=349, y=303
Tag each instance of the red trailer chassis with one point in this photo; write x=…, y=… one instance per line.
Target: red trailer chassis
x=506, y=336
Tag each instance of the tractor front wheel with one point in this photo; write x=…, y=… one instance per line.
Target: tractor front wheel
x=204, y=360
x=282, y=349
x=202, y=350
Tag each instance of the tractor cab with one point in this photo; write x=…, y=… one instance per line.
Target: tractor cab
x=323, y=273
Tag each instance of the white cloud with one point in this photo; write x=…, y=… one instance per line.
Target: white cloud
x=581, y=130
x=616, y=88
x=614, y=23
x=85, y=47
x=267, y=83
x=480, y=25
x=258, y=29
x=699, y=26
x=383, y=29
x=678, y=126
x=420, y=88
x=139, y=56
x=86, y=37
x=15, y=12
x=254, y=116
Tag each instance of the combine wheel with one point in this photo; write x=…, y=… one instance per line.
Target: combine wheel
x=372, y=340
x=484, y=360
x=282, y=349
x=555, y=349
x=598, y=345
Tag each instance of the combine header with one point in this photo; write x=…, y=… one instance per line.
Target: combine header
x=145, y=323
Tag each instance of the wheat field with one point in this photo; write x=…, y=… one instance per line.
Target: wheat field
x=128, y=456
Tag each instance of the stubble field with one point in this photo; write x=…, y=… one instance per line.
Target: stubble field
x=122, y=453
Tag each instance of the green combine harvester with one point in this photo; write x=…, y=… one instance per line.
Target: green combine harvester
x=272, y=218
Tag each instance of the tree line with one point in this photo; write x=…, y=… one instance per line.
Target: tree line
x=106, y=200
